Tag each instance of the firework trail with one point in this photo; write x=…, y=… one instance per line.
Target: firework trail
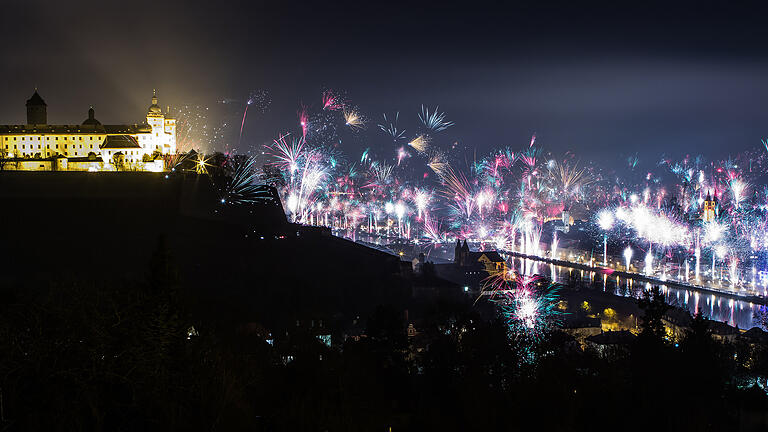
x=242, y=123
x=262, y=100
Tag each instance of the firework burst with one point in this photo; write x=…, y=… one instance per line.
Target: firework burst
x=390, y=128
x=434, y=121
x=331, y=101
x=353, y=119
x=420, y=143
x=241, y=185
x=527, y=304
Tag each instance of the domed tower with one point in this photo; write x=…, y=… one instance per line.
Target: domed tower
x=156, y=120
x=154, y=109
x=91, y=120
x=36, y=110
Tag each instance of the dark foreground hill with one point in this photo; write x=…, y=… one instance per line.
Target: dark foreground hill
x=238, y=260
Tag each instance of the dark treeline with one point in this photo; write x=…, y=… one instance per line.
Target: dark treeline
x=139, y=356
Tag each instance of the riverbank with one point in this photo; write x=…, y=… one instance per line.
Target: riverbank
x=643, y=278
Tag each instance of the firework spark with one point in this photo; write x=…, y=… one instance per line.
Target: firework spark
x=353, y=119
x=390, y=128
x=331, y=101
x=420, y=143
x=434, y=121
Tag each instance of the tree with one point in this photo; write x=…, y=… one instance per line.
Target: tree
x=118, y=160
x=654, y=306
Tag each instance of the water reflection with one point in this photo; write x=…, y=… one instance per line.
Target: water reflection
x=716, y=307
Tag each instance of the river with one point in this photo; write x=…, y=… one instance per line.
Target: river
x=714, y=306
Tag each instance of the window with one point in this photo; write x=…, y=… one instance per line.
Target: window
x=81, y=138
x=14, y=138
x=47, y=138
x=65, y=146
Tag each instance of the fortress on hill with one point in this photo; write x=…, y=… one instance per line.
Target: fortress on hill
x=88, y=146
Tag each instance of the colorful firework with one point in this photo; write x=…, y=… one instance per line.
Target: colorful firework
x=434, y=121
x=420, y=143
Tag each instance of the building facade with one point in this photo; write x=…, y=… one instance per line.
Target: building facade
x=89, y=146
x=709, y=209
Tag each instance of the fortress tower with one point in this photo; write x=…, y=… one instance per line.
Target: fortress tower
x=36, y=110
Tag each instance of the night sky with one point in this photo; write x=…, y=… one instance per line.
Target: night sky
x=601, y=80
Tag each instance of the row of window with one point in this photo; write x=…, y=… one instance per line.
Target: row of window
x=127, y=153
x=49, y=138
x=98, y=138
x=31, y=146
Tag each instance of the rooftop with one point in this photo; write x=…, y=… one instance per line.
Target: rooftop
x=74, y=129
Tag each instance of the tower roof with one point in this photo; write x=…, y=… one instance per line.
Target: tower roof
x=91, y=120
x=154, y=108
x=36, y=100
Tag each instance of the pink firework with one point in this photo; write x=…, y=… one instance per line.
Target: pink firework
x=242, y=123
x=303, y=120
x=331, y=101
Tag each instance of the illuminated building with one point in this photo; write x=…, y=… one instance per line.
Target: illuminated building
x=709, y=211
x=89, y=146
x=489, y=261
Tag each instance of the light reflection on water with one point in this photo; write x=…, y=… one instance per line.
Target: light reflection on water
x=716, y=307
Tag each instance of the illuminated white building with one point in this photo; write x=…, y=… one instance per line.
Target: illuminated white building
x=89, y=146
